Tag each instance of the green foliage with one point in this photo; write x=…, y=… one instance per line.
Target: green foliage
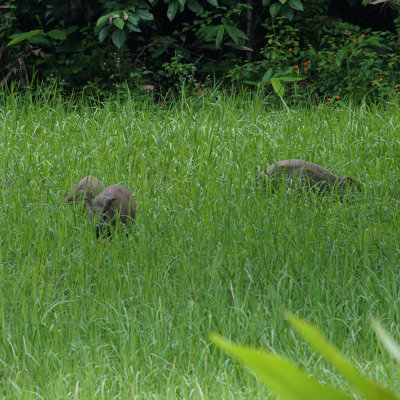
x=66, y=34
x=284, y=8
x=106, y=43
x=291, y=383
x=179, y=72
x=351, y=60
x=119, y=24
x=7, y=22
x=340, y=61
x=276, y=79
x=36, y=33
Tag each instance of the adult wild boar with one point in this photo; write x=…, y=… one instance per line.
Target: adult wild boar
x=309, y=175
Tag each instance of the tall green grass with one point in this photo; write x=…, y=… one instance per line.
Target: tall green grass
x=129, y=318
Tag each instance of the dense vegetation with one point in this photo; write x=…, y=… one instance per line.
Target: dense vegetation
x=82, y=317
x=337, y=48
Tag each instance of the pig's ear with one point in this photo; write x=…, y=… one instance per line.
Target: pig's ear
x=109, y=206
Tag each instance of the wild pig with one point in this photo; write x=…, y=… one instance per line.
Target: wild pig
x=86, y=189
x=112, y=199
x=310, y=175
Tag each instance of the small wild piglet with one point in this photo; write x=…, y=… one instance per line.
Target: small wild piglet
x=87, y=189
x=310, y=175
x=112, y=199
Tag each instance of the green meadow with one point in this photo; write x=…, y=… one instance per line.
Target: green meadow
x=83, y=317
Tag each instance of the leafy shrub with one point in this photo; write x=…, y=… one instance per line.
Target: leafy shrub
x=350, y=59
x=105, y=43
x=341, y=61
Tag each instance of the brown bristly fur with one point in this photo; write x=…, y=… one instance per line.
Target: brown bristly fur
x=112, y=199
x=86, y=189
x=308, y=174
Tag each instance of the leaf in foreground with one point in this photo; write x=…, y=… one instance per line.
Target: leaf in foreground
x=281, y=375
x=368, y=388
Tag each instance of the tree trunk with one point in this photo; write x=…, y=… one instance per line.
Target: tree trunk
x=249, y=30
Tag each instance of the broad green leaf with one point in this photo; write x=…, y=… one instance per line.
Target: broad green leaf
x=103, y=33
x=182, y=4
x=119, y=23
x=97, y=29
x=287, y=12
x=40, y=40
x=281, y=375
x=368, y=388
x=210, y=32
x=375, y=42
x=235, y=33
x=285, y=72
x=57, y=34
x=274, y=9
x=278, y=87
x=340, y=57
x=296, y=5
x=391, y=346
x=251, y=83
x=118, y=37
x=268, y=75
x=172, y=9
x=102, y=20
x=70, y=29
x=213, y=2
x=195, y=6
x=220, y=35
x=133, y=27
x=17, y=38
x=145, y=15
x=133, y=19
x=292, y=78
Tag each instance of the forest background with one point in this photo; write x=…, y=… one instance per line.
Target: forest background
x=326, y=49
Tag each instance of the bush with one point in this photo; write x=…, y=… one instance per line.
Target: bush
x=101, y=44
x=343, y=61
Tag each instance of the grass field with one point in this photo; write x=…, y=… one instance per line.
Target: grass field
x=128, y=318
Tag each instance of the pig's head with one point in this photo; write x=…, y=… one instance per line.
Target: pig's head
x=103, y=212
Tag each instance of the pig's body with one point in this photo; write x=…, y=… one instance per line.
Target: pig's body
x=86, y=189
x=309, y=174
x=112, y=199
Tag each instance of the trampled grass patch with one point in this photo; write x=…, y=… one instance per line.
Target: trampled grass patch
x=82, y=317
